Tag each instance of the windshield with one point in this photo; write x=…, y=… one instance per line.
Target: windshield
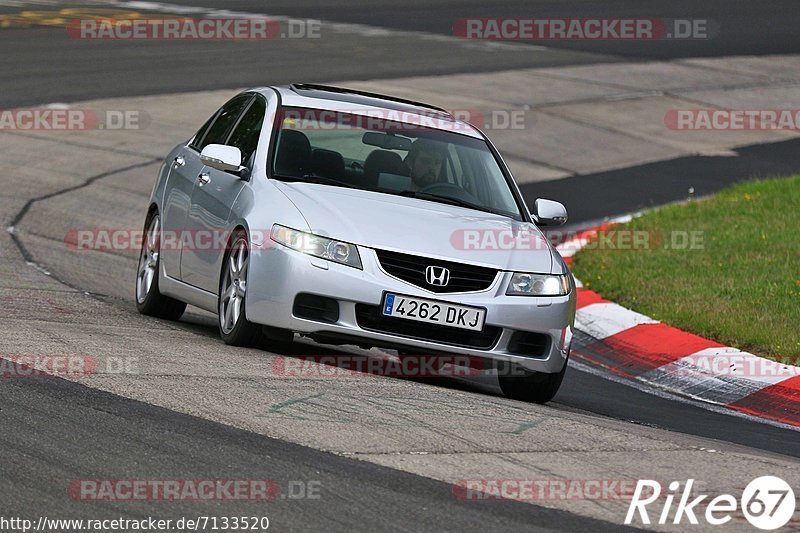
x=391, y=157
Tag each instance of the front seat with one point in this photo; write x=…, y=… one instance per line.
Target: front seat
x=379, y=161
x=294, y=153
x=327, y=163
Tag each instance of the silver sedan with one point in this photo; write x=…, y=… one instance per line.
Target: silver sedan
x=356, y=218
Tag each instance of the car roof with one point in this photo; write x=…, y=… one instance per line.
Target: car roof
x=353, y=101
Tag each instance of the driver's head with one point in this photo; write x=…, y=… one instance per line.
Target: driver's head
x=425, y=160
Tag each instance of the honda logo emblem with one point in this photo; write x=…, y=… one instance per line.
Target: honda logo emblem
x=436, y=275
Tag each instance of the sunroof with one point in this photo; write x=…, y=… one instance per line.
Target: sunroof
x=364, y=98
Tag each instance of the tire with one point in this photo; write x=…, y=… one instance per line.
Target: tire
x=149, y=300
x=234, y=328
x=527, y=386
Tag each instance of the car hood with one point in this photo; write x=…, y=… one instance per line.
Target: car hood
x=420, y=227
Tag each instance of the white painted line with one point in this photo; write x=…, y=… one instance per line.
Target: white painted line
x=693, y=383
x=602, y=320
x=571, y=247
x=720, y=375
x=734, y=363
x=668, y=394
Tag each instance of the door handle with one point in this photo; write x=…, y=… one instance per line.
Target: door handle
x=203, y=179
x=178, y=162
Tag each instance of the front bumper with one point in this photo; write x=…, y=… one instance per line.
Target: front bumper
x=278, y=274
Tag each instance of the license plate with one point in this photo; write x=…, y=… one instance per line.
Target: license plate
x=433, y=312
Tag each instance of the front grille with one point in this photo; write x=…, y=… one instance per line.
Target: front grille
x=411, y=268
x=369, y=317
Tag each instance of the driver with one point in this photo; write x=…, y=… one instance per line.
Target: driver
x=425, y=159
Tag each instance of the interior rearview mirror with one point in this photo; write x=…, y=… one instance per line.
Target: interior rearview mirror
x=549, y=213
x=387, y=141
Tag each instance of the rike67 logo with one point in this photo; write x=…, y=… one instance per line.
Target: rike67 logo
x=767, y=502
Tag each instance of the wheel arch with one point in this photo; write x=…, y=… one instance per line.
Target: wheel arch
x=152, y=209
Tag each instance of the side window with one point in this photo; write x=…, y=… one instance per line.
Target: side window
x=202, y=132
x=226, y=117
x=245, y=134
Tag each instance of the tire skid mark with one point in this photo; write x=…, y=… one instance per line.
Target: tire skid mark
x=17, y=220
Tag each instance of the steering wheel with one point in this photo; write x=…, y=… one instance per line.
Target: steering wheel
x=451, y=190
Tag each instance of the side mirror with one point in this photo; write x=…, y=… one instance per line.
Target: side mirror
x=549, y=213
x=222, y=157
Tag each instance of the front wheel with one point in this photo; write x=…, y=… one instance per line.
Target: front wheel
x=234, y=328
x=149, y=300
x=521, y=384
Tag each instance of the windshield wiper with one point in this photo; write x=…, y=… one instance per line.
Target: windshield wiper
x=314, y=178
x=447, y=200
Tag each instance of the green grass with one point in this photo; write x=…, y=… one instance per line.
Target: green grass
x=741, y=288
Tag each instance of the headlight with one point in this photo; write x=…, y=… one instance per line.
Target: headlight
x=308, y=243
x=525, y=284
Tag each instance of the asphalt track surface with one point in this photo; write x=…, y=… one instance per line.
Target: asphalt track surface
x=745, y=28
x=48, y=65
x=594, y=196
x=54, y=430
x=54, y=426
